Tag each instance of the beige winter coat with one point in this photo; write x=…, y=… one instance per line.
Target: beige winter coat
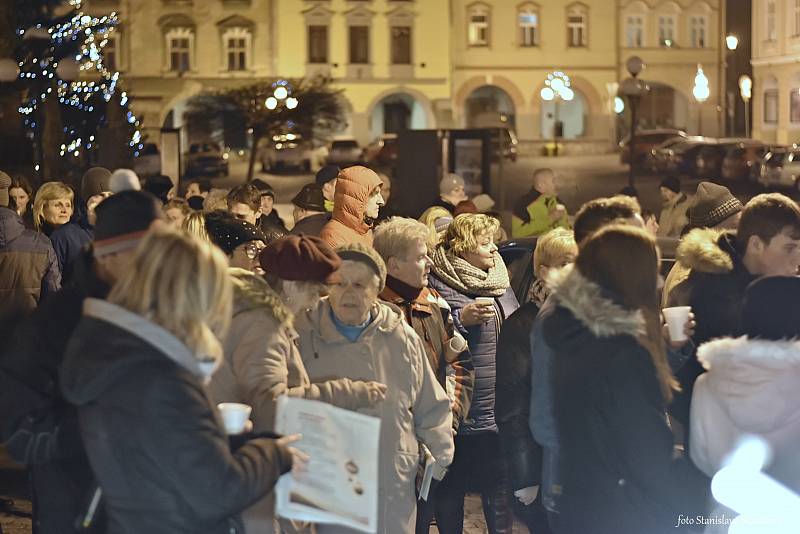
x=416, y=407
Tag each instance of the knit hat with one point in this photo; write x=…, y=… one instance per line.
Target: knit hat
x=95, y=181
x=326, y=174
x=228, y=232
x=124, y=180
x=300, y=258
x=160, y=186
x=442, y=223
x=5, y=184
x=195, y=202
x=366, y=255
x=122, y=221
x=771, y=308
x=465, y=206
x=672, y=183
x=712, y=204
x=449, y=183
x=483, y=203
x=310, y=198
x=264, y=188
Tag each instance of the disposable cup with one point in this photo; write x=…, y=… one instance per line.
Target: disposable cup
x=676, y=318
x=234, y=416
x=484, y=301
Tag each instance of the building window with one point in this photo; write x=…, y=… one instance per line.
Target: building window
x=697, y=31
x=179, y=49
x=111, y=53
x=771, y=106
x=478, y=29
x=237, y=49
x=794, y=105
x=796, y=18
x=528, y=27
x=577, y=27
x=317, y=44
x=634, y=31
x=666, y=31
x=359, y=44
x=772, y=27
x=401, y=45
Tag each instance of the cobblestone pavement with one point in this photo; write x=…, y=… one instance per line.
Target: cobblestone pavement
x=473, y=519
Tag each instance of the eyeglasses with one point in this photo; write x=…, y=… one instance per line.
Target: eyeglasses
x=253, y=250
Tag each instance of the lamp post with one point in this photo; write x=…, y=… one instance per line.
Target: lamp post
x=276, y=102
x=633, y=88
x=557, y=88
x=746, y=90
x=701, y=93
x=731, y=43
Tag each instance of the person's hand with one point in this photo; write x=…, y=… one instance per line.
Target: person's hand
x=92, y=203
x=376, y=392
x=299, y=458
x=558, y=212
x=688, y=329
x=476, y=313
x=527, y=495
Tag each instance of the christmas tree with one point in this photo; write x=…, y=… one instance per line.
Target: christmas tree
x=69, y=91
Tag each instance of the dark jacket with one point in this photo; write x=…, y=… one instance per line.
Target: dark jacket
x=482, y=340
x=68, y=242
x=513, y=398
x=28, y=270
x=39, y=427
x=271, y=223
x=429, y=316
x=442, y=203
x=155, y=441
x=617, y=461
x=311, y=225
x=715, y=290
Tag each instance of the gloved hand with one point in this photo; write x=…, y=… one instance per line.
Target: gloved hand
x=527, y=495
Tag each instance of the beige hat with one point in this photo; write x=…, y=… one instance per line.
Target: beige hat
x=366, y=255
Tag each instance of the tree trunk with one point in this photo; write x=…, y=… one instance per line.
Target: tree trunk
x=253, y=152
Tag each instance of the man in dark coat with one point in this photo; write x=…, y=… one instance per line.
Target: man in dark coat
x=309, y=211
x=28, y=265
x=39, y=427
x=723, y=265
x=269, y=218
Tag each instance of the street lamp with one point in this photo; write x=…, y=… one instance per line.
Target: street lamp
x=701, y=93
x=557, y=88
x=633, y=89
x=746, y=90
x=731, y=42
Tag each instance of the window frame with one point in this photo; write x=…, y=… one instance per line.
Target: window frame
x=527, y=33
x=579, y=29
x=244, y=51
x=640, y=27
x=662, y=39
x=692, y=34
x=409, y=45
x=771, y=21
x=794, y=105
x=771, y=94
x=113, y=45
x=311, y=58
x=180, y=34
x=350, y=41
x=474, y=28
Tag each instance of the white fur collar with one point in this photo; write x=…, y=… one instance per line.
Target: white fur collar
x=743, y=350
x=587, y=303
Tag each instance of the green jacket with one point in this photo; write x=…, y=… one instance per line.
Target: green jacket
x=531, y=215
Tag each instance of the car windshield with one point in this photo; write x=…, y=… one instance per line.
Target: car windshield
x=344, y=145
x=773, y=159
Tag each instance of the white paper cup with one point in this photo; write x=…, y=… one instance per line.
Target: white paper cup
x=676, y=321
x=234, y=416
x=484, y=301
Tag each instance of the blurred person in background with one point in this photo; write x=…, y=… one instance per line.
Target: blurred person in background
x=451, y=193
x=437, y=219
x=195, y=224
x=21, y=198
x=137, y=368
x=309, y=211
x=674, y=208
x=197, y=188
x=160, y=186
x=269, y=218
x=326, y=178
x=244, y=203
x=176, y=211
x=470, y=275
x=540, y=210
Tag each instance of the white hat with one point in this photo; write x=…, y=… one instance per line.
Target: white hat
x=124, y=180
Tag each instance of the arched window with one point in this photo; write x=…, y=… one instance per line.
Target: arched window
x=577, y=26
x=528, y=20
x=237, y=43
x=180, y=49
x=478, y=26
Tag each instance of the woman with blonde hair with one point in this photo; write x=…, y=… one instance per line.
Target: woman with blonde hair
x=53, y=210
x=195, y=224
x=470, y=275
x=136, y=369
x=436, y=218
x=611, y=387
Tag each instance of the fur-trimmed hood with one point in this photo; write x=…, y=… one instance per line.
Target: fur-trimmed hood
x=592, y=306
x=707, y=250
x=755, y=381
x=251, y=292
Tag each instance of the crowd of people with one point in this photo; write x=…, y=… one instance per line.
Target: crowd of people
x=129, y=313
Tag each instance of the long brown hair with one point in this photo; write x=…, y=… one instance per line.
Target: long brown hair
x=624, y=260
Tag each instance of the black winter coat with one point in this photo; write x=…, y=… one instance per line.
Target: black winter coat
x=39, y=426
x=616, y=462
x=513, y=398
x=311, y=225
x=154, y=438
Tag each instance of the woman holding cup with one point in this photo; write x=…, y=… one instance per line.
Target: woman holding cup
x=136, y=368
x=470, y=275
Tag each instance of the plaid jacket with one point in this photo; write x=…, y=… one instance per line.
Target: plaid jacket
x=429, y=316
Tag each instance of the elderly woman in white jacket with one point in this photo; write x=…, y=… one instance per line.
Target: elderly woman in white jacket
x=752, y=386
x=353, y=333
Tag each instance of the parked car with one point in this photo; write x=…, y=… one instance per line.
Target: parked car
x=344, y=152
x=148, y=162
x=680, y=158
x=710, y=159
x=650, y=162
x=206, y=159
x=287, y=151
x=741, y=158
x=382, y=151
x=781, y=168
x=646, y=140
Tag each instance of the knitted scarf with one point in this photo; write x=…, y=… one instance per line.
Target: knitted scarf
x=538, y=292
x=464, y=277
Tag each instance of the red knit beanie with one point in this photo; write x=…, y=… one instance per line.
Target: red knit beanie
x=300, y=258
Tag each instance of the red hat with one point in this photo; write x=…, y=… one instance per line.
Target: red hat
x=300, y=258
